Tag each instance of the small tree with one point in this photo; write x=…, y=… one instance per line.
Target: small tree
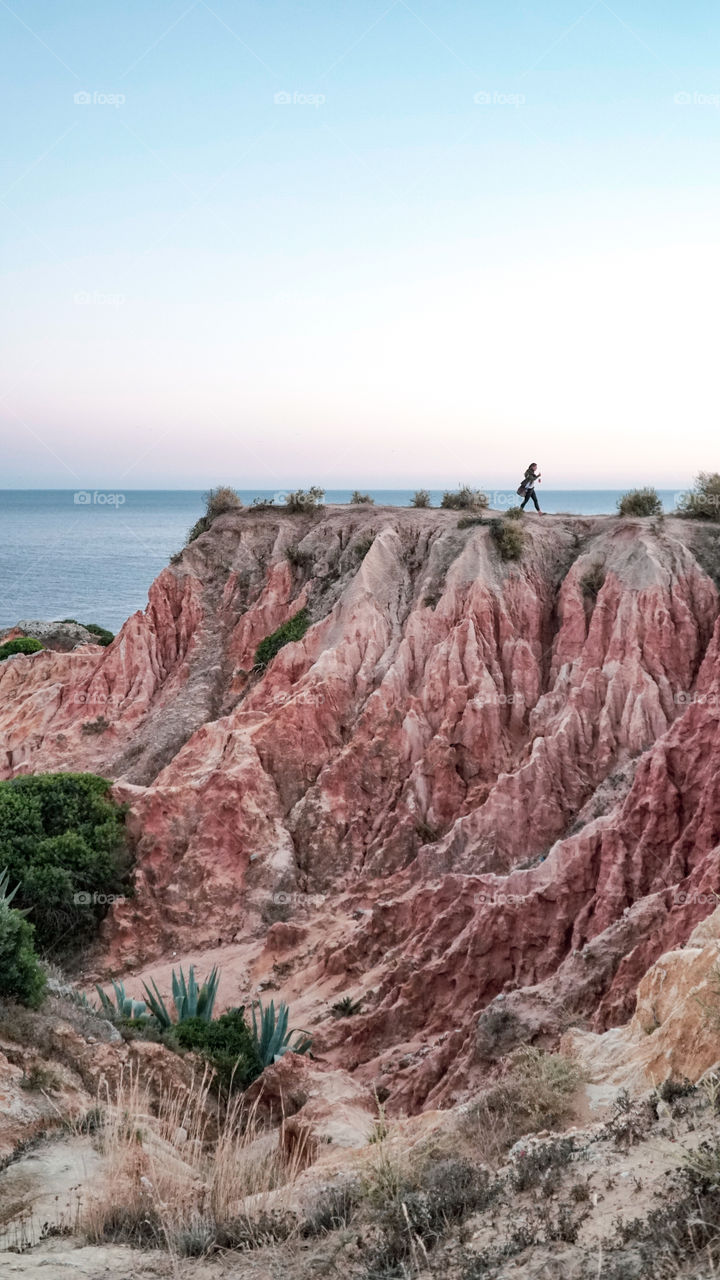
x=466, y=499
x=640, y=502
x=301, y=501
x=702, y=501
x=217, y=502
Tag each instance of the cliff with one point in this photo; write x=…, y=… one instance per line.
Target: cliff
x=480, y=797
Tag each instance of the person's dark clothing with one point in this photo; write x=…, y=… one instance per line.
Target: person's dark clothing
x=530, y=493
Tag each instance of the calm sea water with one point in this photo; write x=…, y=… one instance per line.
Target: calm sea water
x=94, y=559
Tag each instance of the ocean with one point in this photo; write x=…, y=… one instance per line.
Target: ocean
x=92, y=555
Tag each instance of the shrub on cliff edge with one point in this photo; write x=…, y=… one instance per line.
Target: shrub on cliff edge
x=508, y=538
x=217, y=502
x=703, y=501
x=640, y=502
x=466, y=499
x=21, y=644
x=303, y=502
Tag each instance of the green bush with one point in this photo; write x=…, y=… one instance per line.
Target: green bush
x=703, y=501
x=21, y=977
x=508, y=538
x=640, y=502
x=466, y=499
x=514, y=513
x=420, y=498
x=293, y=629
x=302, y=501
x=226, y=1044
x=22, y=644
x=217, y=502
x=102, y=635
x=62, y=840
x=358, y=499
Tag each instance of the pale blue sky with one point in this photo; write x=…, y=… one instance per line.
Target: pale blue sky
x=474, y=235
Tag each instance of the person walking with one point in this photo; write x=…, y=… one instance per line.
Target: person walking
x=527, y=487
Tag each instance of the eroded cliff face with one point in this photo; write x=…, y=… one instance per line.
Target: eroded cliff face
x=479, y=796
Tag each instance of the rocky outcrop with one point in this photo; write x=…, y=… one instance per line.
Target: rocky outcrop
x=480, y=794
x=62, y=636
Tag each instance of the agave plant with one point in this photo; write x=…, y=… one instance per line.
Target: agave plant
x=5, y=897
x=124, y=1006
x=271, y=1035
x=190, y=1000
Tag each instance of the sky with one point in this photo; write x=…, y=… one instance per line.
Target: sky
x=282, y=242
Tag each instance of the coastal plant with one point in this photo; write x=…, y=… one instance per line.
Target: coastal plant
x=21, y=644
x=186, y=1172
x=420, y=498
x=592, y=582
x=123, y=1006
x=508, y=537
x=464, y=499
x=98, y=725
x=304, y=501
x=640, y=502
x=363, y=545
x=514, y=513
x=469, y=522
x=271, y=1035
x=346, y=1007
x=217, y=503
x=298, y=558
x=702, y=501
x=189, y=999
x=226, y=1044
x=534, y=1091
x=361, y=499
x=293, y=629
x=102, y=635
x=21, y=977
x=62, y=839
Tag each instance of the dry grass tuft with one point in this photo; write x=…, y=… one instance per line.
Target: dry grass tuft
x=534, y=1093
x=184, y=1175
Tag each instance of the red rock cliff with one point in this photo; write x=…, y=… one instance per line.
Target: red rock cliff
x=483, y=794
